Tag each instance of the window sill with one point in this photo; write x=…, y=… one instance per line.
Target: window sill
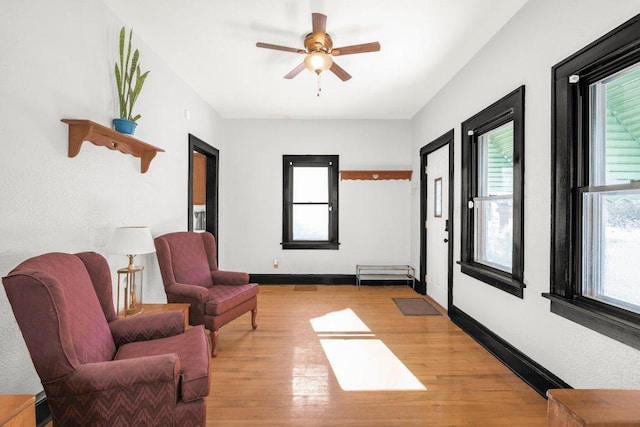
x=625, y=329
x=503, y=281
x=310, y=245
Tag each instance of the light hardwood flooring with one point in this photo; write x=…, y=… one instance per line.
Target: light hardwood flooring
x=279, y=374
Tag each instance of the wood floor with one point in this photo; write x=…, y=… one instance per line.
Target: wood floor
x=280, y=375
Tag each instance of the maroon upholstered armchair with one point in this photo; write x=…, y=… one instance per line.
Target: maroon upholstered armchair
x=97, y=369
x=190, y=274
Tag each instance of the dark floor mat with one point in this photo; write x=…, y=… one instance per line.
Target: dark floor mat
x=416, y=307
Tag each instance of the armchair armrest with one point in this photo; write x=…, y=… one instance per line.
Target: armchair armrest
x=122, y=374
x=143, y=390
x=148, y=327
x=229, y=277
x=188, y=293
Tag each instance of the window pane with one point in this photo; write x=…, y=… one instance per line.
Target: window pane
x=493, y=222
x=495, y=161
x=310, y=184
x=493, y=208
x=615, y=128
x=611, y=244
x=310, y=222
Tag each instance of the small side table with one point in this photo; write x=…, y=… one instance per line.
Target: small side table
x=161, y=308
x=17, y=410
x=583, y=407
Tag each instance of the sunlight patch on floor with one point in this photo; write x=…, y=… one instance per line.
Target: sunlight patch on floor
x=368, y=364
x=359, y=360
x=339, y=321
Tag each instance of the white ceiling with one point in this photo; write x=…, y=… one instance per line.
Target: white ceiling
x=211, y=44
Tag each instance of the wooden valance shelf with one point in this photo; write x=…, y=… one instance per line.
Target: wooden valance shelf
x=375, y=175
x=86, y=130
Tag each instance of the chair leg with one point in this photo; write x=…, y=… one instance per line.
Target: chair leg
x=214, y=342
x=254, y=313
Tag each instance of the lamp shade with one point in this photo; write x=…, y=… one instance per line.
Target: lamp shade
x=132, y=241
x=318, y=62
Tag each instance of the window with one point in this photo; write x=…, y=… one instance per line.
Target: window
x=596, y=186
x=492, y=194
x=310, y=202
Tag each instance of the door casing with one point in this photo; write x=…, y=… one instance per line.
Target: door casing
x=447, y=138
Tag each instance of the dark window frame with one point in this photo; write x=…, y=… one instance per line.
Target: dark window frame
x=569, y=155
x=509, y=108
x=288, y=163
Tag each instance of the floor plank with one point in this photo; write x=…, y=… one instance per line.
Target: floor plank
x=279, y=375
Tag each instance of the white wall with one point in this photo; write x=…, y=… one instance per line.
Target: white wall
x=56, y=58
x=374, y=215
x=541, y=34
x=56, y=61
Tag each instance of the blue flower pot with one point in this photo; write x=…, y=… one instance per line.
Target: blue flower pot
x=125, y=126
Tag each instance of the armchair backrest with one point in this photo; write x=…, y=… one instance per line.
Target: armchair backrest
x=58, y=312
x=186, y=257
x=100, y=275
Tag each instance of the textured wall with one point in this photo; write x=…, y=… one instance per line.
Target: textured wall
x=56, y=61
x=541, y=34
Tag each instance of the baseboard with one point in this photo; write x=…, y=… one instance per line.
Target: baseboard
x=534, y=374
x=43, y=413
x=317, y=279
x=303, y=279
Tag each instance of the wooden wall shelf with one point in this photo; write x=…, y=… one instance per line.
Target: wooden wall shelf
x=375, y=175
x=86, y=130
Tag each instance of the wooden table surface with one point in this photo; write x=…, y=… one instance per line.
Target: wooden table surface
x=17, y=410
x=569, y=407
x=161, y=308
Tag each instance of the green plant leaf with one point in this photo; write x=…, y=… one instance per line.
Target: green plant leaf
x=134, y=62
x=129, y=79
x=118, y=78
x=139, y=82
x=129, y=47
x=135, y=119
x=120, y=94
x=134, y=65
x=122, y=33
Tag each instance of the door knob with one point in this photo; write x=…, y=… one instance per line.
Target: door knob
x=446, y=240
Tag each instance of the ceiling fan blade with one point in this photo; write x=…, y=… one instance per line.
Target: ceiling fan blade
x=338, y=71
x=356, y=48
x=277, y=47
x=295, y=71
x=319, y=22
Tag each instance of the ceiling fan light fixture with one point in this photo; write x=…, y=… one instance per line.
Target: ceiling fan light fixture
x=318, y=62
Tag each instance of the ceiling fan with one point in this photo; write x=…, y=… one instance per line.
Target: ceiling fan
x=319, y=50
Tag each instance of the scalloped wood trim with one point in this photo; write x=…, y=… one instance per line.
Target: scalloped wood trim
x=375, y=175
x=86, y=130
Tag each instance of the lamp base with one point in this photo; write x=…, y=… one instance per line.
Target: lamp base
x=133, y=311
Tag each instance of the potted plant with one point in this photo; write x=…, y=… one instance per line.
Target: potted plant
x=129, y=80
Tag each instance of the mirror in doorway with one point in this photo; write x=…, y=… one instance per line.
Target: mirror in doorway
x=199, y=191
x=202, y=202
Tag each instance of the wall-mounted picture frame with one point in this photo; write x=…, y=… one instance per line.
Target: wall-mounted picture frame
x=437, y=198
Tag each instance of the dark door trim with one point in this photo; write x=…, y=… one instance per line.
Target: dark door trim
x=434, y=145
x=212, y=154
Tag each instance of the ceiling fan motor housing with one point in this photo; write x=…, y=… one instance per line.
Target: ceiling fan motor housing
x=318, y=42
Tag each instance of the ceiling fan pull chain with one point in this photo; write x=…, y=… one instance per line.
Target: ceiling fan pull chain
x=319, y=86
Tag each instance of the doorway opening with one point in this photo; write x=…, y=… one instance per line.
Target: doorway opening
x=203, y=187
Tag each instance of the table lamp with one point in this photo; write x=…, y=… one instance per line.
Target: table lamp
x=131, y=241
